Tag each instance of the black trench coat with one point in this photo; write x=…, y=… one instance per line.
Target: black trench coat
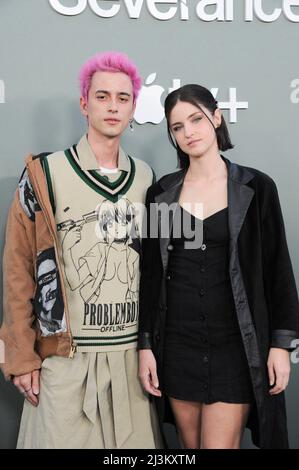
x=262, y=281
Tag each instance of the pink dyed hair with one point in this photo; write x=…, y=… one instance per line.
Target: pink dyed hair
x=109, y=62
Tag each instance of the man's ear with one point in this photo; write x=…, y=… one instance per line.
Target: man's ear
x=133, y=110
x=83, y=106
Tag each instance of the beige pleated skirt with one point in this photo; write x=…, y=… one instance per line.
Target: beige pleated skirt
x=94, y=401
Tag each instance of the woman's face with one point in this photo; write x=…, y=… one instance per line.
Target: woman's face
x=192, y=130
x=117, y=230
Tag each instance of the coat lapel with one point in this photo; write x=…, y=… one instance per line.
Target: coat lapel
x=172, y=186
x=239, y=197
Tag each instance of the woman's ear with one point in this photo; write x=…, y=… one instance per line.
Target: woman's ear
x=217, y=118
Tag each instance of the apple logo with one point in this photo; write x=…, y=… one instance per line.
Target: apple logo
x=148, y=107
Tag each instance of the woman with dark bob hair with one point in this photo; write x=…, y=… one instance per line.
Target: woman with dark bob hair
x=218, y=299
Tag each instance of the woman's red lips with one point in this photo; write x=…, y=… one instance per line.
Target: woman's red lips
x=193, y=141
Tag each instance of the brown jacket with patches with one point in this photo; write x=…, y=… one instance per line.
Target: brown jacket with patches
x=28, y=235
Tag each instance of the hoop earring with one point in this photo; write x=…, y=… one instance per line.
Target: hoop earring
x=131, y=125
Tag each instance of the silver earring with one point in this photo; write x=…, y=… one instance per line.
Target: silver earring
x=131, y=125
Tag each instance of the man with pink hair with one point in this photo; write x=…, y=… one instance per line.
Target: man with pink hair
x=81, y=382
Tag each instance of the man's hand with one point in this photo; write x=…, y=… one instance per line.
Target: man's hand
x=28, y=385
x=148, y=372
x=278, y=369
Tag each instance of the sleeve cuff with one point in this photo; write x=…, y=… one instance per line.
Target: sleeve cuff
x=285, y=339
x=144, y=341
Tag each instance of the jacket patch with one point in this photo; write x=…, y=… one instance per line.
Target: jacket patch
x=48, y=301
x=27, y=197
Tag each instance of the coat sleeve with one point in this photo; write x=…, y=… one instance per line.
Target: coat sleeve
x=148, y=293
x=17, y=332
x=281, y=291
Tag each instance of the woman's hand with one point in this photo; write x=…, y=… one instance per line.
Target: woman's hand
x=148, y=372
x=278, y=369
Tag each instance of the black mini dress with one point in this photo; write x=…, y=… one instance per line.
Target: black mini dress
x=204, y=357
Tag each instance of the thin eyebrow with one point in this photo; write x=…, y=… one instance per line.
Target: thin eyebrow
x=191, y=115
x=108, y=93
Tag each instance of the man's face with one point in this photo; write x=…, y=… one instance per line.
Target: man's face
x=47, y=281
x=109, y=106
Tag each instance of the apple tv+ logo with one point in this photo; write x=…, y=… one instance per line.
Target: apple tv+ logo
x=149, y=108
